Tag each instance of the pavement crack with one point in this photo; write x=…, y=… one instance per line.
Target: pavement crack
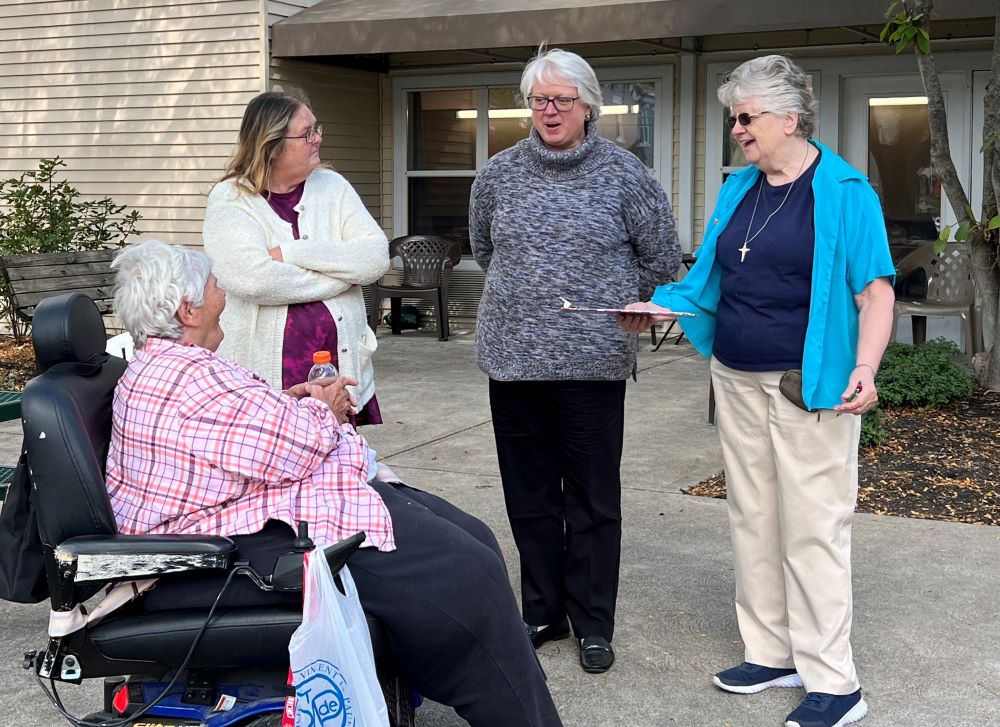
x=434, y=441
x=395, y=466
x=667, y=362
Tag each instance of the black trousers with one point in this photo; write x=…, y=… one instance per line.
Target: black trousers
x=560, y=447
x=445, y=599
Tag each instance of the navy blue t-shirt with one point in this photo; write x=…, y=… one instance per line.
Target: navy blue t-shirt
x=764, y=307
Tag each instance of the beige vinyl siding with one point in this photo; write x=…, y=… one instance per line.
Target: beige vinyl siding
x=675, y=152
x=346, y=102
x=699, y=156
x=386, y=132
x=141, y=98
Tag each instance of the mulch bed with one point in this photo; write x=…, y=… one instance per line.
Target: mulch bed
x=935, y=464
x=17, y=364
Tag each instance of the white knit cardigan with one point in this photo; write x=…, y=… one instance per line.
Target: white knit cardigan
x=340, y=249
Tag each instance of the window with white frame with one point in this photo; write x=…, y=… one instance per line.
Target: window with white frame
x=451, y=132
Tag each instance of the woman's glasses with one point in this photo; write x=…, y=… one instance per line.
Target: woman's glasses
x=311, y=135
x=562, y=103
x=744, y=118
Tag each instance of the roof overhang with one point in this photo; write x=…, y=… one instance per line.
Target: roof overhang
x=358, y=27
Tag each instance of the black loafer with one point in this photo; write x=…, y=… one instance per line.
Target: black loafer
x=542, y=634
x=596, y=655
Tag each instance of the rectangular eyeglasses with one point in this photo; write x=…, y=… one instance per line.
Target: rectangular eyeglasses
x=744, y=118
x=562, y=103
x=311, y=134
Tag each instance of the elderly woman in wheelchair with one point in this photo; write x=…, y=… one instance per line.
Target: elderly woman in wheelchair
x=201, y=446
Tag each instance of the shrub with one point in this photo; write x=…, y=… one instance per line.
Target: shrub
x=924, y=375
x=921, y=376
x=872, y=431
x=41, y=214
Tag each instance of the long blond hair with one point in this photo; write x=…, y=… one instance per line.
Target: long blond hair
x=262, y=137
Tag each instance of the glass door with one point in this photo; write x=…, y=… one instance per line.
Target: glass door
x=886, y=136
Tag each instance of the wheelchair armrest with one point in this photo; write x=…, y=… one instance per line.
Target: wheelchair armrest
x=127, y=557
x=287, y=575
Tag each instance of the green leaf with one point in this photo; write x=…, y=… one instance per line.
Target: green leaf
x=892, y=7
x=885, y=32
x=939, y=246
x=988, y=144
x=994, y=223
x=901, y=46
x=923, y=44
x=945, y=234
x=962, y=233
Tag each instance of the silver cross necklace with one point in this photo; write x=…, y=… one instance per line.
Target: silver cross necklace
x=748, y=239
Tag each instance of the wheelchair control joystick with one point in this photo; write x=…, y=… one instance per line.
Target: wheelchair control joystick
x=303, y=543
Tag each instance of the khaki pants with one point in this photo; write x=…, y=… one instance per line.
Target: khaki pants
x=792, y=480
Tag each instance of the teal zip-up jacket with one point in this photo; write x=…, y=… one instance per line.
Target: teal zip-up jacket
x=852, y=249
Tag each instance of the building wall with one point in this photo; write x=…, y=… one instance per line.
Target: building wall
x=142, y=98
x=347, y=103
x=386, y=156
x=699, y=211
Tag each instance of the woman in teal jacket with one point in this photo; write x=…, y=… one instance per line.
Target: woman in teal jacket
x=794, y=274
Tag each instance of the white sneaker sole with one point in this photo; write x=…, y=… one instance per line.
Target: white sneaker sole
x=857, y=713
x=789, y=680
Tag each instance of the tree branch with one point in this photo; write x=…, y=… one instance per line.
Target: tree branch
x=938, y=119
x=991, y=128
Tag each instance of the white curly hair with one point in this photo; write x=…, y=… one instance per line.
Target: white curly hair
x=152, y=279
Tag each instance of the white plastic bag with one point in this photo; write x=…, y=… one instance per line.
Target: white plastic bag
x=331, y=655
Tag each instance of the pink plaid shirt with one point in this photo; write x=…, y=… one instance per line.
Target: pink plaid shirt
x=201, y=445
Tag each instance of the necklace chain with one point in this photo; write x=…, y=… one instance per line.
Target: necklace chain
x=748, y=239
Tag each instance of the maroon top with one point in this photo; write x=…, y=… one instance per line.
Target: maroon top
x=309, y=327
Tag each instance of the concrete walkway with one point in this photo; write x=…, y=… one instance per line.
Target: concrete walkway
x=927, y=594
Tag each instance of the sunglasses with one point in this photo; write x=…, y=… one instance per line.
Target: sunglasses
x=744, y=118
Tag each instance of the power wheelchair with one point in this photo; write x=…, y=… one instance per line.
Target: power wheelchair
x=236, y=674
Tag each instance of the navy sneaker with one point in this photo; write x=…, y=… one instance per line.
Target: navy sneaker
x=750, y=678
x=819, y=709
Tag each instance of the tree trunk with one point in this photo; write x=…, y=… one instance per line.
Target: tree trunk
x=985, y=249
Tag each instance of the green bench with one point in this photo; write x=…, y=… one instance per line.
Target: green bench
x=33, y=277
x=10, y=409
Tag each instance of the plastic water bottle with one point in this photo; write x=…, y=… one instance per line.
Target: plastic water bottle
x=321, y=366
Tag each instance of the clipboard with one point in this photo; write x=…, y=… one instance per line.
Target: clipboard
x=568, y=307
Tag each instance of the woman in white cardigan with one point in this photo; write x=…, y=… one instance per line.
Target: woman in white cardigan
x=292, y=244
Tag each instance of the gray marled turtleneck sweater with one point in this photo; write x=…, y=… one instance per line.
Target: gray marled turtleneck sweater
x=591, y=225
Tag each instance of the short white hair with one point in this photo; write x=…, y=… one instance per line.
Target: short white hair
x=151, y=280
x=561, y=65
x=777, y=84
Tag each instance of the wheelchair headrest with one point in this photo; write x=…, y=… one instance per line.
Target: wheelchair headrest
x=67, y=328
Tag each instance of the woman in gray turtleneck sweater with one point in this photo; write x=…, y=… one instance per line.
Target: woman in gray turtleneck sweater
x=564, y=213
